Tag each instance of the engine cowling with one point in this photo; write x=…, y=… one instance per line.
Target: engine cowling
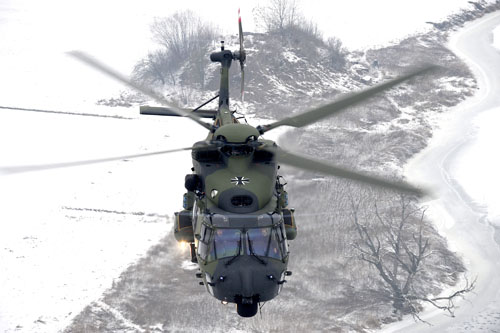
x=290, y=226
x=183, y=228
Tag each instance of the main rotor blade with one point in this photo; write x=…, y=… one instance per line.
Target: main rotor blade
x=65, y=112
x=94, y=63
x=7, y=170
x=344, y=102
x=306, y=163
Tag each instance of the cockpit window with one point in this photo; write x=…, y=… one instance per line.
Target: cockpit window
x=264, y=242
x=227, y=243
x=258, y=240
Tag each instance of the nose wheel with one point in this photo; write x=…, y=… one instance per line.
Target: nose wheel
x=247, y=310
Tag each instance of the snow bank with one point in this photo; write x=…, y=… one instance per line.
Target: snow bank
x=462, y=165
x=496, y=38
x=478, y=173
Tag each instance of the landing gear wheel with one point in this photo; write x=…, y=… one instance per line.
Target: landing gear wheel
x=247, y=310
x=193, y=253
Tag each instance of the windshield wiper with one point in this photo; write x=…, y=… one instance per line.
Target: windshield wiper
x=230, y=261
x=250, y=248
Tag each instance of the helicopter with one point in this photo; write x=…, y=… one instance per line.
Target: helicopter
x=236, y=217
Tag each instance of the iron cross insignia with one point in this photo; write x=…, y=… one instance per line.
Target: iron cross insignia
x=240, y=181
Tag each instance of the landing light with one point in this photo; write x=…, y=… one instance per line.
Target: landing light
x=183, y=245
x=224, y=302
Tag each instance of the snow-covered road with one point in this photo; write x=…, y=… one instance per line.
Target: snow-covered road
x=462, y=164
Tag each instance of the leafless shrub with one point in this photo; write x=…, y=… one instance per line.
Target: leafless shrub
x=336, y=53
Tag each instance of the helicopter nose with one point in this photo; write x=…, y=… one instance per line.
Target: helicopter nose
x=246, y=281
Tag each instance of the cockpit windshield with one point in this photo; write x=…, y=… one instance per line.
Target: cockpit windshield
x=266, y=239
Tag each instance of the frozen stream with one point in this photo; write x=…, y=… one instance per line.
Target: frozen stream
x=462, y=164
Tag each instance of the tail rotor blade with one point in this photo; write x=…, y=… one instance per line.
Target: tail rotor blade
x=242, y=82
x=240, y=28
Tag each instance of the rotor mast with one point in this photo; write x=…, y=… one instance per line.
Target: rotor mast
x=225, y=57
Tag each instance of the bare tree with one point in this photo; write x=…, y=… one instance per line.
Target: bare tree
x=277, y=15
x=185, y=38
x=182, y=33
x=283, y=18
x=396, y=245
x=157, y=67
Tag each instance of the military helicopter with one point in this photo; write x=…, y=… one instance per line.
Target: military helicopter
x=236, y=216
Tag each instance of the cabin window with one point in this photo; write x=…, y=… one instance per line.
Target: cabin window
x=195, y=215
x=281, y=233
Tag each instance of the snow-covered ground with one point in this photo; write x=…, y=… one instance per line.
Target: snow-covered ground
x=462, y=165
x=66, y=234
x=478, y=171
